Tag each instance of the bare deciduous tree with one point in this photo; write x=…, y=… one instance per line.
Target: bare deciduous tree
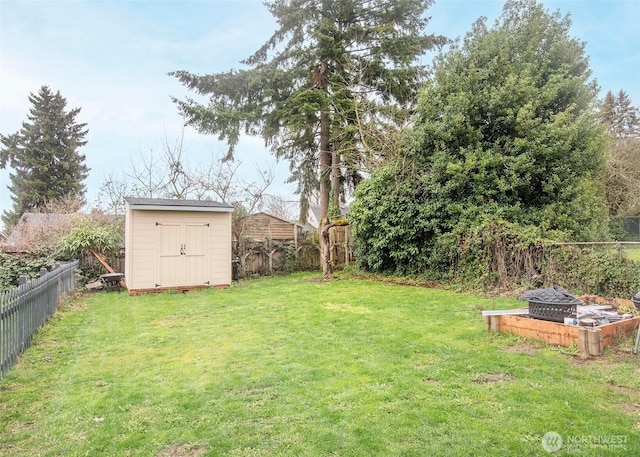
x=622, y=123
x=279, y=206
x=169, y=174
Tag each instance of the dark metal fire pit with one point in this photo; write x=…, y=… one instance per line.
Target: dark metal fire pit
x=551, y=304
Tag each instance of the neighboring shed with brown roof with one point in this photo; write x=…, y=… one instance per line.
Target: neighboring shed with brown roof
x=264, y=227
x=176, y=244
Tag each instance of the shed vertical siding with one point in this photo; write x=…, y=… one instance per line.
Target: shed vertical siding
x=141, y=249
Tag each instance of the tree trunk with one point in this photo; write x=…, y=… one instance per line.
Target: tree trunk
x=335, y=175
x=325, y=175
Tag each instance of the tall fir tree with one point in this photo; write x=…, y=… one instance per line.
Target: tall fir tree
x=44, y=155
x=621, y=178
x=330, y=67
x=620, y=117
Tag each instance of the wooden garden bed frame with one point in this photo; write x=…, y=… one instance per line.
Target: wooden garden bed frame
x=591, y=340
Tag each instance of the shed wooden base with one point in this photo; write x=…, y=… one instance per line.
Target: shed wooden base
x=182, y=289
x=590, y=340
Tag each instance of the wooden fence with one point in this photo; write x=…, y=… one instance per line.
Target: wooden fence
x=24, y=309
x=341, y=245
x=266, y=257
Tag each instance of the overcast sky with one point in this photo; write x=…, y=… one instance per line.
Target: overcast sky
x=111, y=59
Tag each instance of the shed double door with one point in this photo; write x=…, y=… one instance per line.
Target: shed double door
x=183, y=254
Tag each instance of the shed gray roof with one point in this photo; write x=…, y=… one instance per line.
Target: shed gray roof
x=169, y=204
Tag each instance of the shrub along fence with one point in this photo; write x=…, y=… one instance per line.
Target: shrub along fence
x=499, y=258
x=24, y=309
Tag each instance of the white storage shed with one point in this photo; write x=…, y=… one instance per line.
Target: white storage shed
x=176, y=244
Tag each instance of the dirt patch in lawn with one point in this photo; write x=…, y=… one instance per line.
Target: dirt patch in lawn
x=345, y=308
x=71, y=307
x=613, y=355
x=521, y=349
x=489, y=378
x=632, y=406
x=625, y=390
x=581, y=360
x=321, y=279
x=180, y=450
x=174, y=321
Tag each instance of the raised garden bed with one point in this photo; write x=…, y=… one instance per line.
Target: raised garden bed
x=591, y=340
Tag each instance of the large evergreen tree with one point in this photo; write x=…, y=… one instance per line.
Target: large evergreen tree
x=44, y=155
x=505, y=132
x=331, y=67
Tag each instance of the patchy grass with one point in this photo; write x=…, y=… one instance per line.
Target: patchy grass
x=293, y=366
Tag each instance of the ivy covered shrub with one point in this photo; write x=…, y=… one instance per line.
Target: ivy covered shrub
x=498, y=254
x=394, y=224
x=12, y=266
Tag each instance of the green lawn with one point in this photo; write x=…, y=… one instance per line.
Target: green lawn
x=298, y=367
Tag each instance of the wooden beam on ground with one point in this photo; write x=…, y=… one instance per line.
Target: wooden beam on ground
x=507, y=312
x=103, y=262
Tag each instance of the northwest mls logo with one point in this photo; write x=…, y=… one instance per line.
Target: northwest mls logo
x=551, y=442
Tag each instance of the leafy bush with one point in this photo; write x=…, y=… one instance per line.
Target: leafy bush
x=89, y=237
x=393, y=222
